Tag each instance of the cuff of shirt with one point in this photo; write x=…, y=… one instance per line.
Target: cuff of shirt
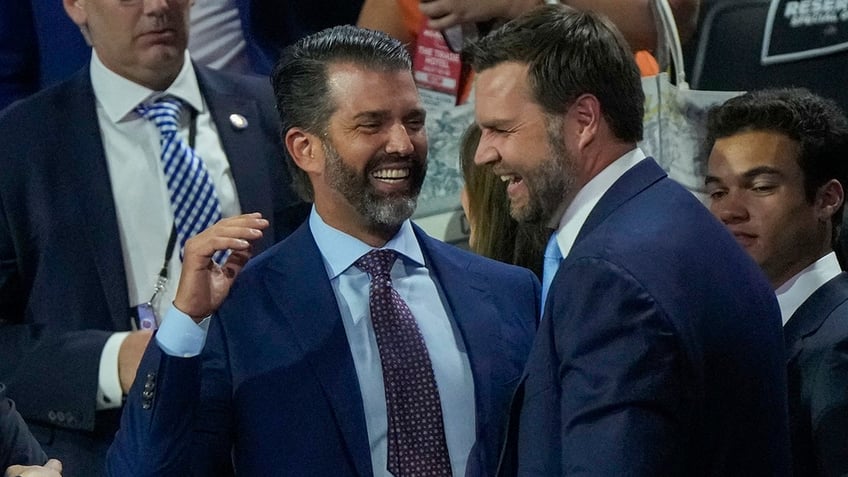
x=180, y=336
x=109, y=392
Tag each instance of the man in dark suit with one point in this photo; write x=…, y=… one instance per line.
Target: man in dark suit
x=86, y=215
x=776, y=173
x=659, y=350
x=297, y=374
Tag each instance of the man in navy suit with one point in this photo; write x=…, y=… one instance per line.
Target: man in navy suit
x=85, y=214
x=659, y=350
x=291, y=380
x=775, y=179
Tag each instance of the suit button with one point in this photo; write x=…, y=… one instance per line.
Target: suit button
x=145, y=405
x=147, y=395
x=51, y=415
x=149, y=386
x=151, y=376
x=60, y=416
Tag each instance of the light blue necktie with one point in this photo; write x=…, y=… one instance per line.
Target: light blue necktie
x=193, y=199
x=553, y=257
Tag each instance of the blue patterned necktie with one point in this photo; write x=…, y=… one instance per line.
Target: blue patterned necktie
x=193, y=199
x=550, y=265
x=416, y=432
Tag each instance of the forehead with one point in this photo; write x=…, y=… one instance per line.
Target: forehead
x=501, y=90
x=744, y=151
x=356, y=89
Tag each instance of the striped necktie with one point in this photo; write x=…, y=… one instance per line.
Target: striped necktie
x=193, y=199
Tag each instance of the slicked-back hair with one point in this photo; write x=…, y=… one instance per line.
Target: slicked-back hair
x=817, y=124
x=569, y=53
x=300, y=79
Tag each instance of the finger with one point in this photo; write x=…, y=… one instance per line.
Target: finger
x=14, y=470
x=54, y=464
x=444, y=22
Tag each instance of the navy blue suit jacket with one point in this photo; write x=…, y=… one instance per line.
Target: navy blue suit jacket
x=17, y=446
x=279, y=388
x=660, y=349
x=817, y=360
x=63, y=288
x=40, y=45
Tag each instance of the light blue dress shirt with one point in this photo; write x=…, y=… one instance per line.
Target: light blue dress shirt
x=180, y=336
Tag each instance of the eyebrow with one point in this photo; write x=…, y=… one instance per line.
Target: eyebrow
x=748, y=175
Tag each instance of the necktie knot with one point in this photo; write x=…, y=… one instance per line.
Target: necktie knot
x=377, y=263
x=164, y=113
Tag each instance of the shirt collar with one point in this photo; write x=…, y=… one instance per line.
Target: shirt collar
x=792, y=294
x=119, y=96
x=588, y=196
x=340, y=250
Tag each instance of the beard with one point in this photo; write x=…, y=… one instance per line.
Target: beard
x=381, y=211
x=549, y=183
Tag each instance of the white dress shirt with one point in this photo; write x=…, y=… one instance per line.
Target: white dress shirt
x=415, y=284
x=588, y=197
x=142, y=203
x=795, y=291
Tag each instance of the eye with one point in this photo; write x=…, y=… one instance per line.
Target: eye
x=763, y=188
x=414, y=124
x=717, y=194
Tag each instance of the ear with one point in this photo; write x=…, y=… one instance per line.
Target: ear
x=305, y=149
x=76, y=10
x=829, y=198
x=586, y=110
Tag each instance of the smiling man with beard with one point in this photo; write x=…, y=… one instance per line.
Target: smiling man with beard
x=660, y=348
x=320, y=362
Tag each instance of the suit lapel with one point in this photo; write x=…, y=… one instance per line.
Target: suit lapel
x=240, y=144
x=812, y=313
x=472, y=310
x=634, y=181
x=310, y=306
x=82, y=143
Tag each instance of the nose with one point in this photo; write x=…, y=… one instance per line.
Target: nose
x=486, y=153
x=156, y=7
x=730, y=209
x=399, y=141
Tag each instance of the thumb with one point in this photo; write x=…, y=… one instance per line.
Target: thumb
x=54, y=464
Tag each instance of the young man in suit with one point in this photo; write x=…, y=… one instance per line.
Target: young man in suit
x=86, y=213
x=659, y=350
x=775, y=179
x=298, y=374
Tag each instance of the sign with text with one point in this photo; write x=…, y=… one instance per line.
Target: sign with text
x=799, y=29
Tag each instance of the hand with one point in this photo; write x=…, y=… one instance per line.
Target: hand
x=447, y=13
x=129, y=357
x=203, y=283
x=53, y=468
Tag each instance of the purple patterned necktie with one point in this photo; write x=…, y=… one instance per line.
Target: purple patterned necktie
x=416, y=433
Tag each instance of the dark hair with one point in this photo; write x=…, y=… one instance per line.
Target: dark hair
x=816, y=123
x=300, y=78
x=497, y=234
x=570, y=53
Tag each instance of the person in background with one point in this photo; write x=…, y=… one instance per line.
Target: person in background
x=403, y=18
x=357, y=346
x=493, y=232
x=660, y=349
x=40, y=47
x=776, y=176
x=93, y=221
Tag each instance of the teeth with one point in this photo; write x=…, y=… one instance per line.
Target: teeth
x=391, y=174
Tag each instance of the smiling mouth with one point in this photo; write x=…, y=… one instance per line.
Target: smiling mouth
x=391, y=176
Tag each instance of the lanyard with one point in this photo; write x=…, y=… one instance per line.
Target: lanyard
x=146, y=312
